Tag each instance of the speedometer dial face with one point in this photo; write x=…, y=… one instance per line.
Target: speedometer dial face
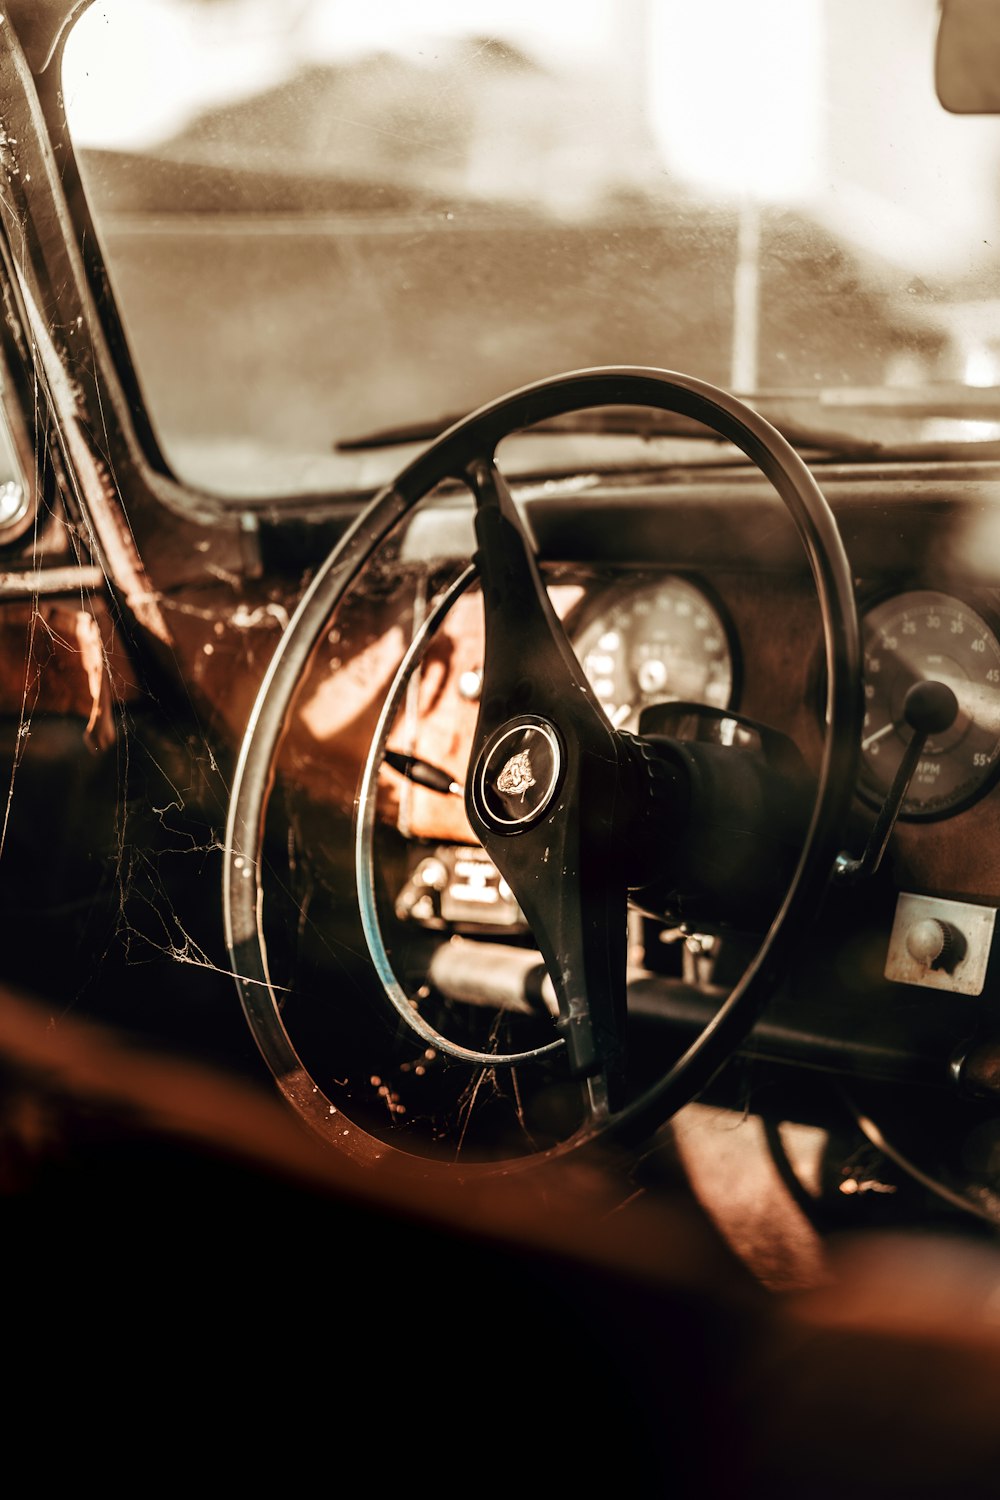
x=928, y=636
x=655, y=643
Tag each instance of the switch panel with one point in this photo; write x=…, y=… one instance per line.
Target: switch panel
x=943, y=944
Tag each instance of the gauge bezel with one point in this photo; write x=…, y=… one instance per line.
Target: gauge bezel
x=606, y=590
x=985, y=604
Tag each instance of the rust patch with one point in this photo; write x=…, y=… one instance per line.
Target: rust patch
x=114, y=540
x=100, y=730
x=57, y=658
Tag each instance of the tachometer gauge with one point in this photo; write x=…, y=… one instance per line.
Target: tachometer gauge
x=925, y=635
x=655, y=643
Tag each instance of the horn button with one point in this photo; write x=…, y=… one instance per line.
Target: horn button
x=518, y=774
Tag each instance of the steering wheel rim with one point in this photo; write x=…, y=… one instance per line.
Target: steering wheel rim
x=469, y=442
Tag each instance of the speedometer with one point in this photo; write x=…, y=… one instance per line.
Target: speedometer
x=655, y=643
x=928, y=636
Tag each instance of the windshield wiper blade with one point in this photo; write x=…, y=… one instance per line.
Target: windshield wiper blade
x=629, y=421
x=888, y=422
x=861, y=435
x=423, y=431
x=935, y=399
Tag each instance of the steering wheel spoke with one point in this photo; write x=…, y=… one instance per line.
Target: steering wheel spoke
x=529, y=662
x=561, y=863
x=544, y=786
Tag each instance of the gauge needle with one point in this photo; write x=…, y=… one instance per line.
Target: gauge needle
x=422, y=772
x=878, y=735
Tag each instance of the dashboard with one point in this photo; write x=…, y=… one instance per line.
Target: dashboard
x=688, y=600
x=697, y=593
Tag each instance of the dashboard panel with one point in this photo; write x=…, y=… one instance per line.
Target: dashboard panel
x=700, y=591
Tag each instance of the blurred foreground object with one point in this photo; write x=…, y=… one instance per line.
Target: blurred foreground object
x=183, y=1230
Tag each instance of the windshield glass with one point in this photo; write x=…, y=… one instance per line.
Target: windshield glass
x=324, y=220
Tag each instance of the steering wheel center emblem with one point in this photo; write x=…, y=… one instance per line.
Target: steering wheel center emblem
x=519, y=772
x=516, y=775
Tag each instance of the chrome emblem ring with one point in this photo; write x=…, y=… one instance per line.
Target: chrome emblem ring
x=519, y=773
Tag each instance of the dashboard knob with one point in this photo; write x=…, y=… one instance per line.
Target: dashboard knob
x=470, y=685
x=930, y=707
x=935, y=944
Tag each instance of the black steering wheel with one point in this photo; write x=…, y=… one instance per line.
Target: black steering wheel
x=579, y=818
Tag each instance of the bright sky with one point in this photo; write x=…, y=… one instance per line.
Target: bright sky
x=751, y=124
x=854, y=130
x=140, y=74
